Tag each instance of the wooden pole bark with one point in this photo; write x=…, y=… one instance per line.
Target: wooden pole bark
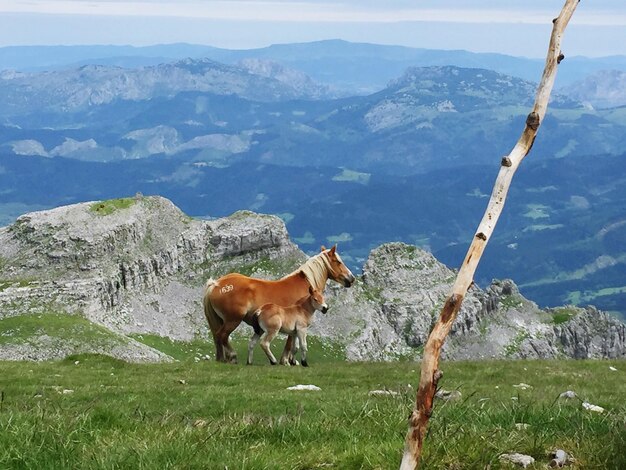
x=430, y=373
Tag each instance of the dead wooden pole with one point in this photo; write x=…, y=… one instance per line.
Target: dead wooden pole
x=430, y=373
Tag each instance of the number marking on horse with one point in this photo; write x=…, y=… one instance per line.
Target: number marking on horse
x=226, y=289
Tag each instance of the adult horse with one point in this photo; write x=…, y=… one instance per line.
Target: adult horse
x=234, y=297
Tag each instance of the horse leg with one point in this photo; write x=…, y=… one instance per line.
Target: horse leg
x=287, y=356
x=215, y=323
x=253, y=341
x=219, y=350
x=303, y=347
x=230, y=355
x=294, y=351
x=265, y=344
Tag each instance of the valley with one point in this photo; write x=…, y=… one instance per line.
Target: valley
x=412, y=160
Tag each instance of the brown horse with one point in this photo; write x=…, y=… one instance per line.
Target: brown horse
x=271, y=319
x=234, y=297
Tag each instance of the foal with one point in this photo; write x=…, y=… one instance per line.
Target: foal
x=293, y=320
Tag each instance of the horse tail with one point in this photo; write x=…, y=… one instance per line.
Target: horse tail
x=215, y=322
x=254, y=321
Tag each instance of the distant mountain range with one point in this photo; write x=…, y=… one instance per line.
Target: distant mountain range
x=212, y=113
x=413, y=161
x=355, y=68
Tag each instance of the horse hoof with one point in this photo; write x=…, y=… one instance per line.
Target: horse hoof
x=273, y=363
x=305, y=364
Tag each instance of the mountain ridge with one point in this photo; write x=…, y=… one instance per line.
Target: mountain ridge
x=335, y=62
x=138, y=265
x=376, y=160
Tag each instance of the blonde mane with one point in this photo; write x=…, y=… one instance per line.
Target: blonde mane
x=316, y=271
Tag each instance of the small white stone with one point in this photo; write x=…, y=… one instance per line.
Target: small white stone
x=67, y=391
x=518, y=459
x=590, y=407
x=448, y=395
x=568, y=394
x=314, y=388
x=613, y=368
x=382, y=393
x=523, y=386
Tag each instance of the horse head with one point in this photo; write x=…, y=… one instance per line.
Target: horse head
x=317, y=300
x=337, y=270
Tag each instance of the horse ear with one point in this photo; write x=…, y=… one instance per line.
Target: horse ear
x=333, y=249
x=323, y=248
x=311, y=290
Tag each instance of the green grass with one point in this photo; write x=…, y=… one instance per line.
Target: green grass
x=179, y=350
x=319, y=351
x=206, y=415
x=563, y=315
x=5, y=284
x=24, y=328
x=112, y=205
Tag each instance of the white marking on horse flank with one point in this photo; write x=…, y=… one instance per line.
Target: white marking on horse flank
x=226, y=289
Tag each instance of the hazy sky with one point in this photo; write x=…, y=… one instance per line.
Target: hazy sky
x=518, y=27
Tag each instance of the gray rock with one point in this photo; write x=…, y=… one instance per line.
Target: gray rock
x=45, y=348
x=139, y=269
x=139, y=266
x=520, y=460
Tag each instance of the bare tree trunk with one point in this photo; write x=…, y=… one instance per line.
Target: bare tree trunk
x=430, y=374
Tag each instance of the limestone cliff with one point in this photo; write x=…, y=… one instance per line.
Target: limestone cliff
x=138, y=265
x=404, y=287
x=134, y=265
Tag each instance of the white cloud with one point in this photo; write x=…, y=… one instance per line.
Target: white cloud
x=517, y=12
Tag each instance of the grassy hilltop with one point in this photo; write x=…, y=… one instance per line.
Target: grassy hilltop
x=96, y=412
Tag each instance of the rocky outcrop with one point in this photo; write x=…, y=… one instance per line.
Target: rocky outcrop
x=90, y=86
x=138, y=265
x=134, y=265
x=591, y=333
x=401, y=292
x=45, y=347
